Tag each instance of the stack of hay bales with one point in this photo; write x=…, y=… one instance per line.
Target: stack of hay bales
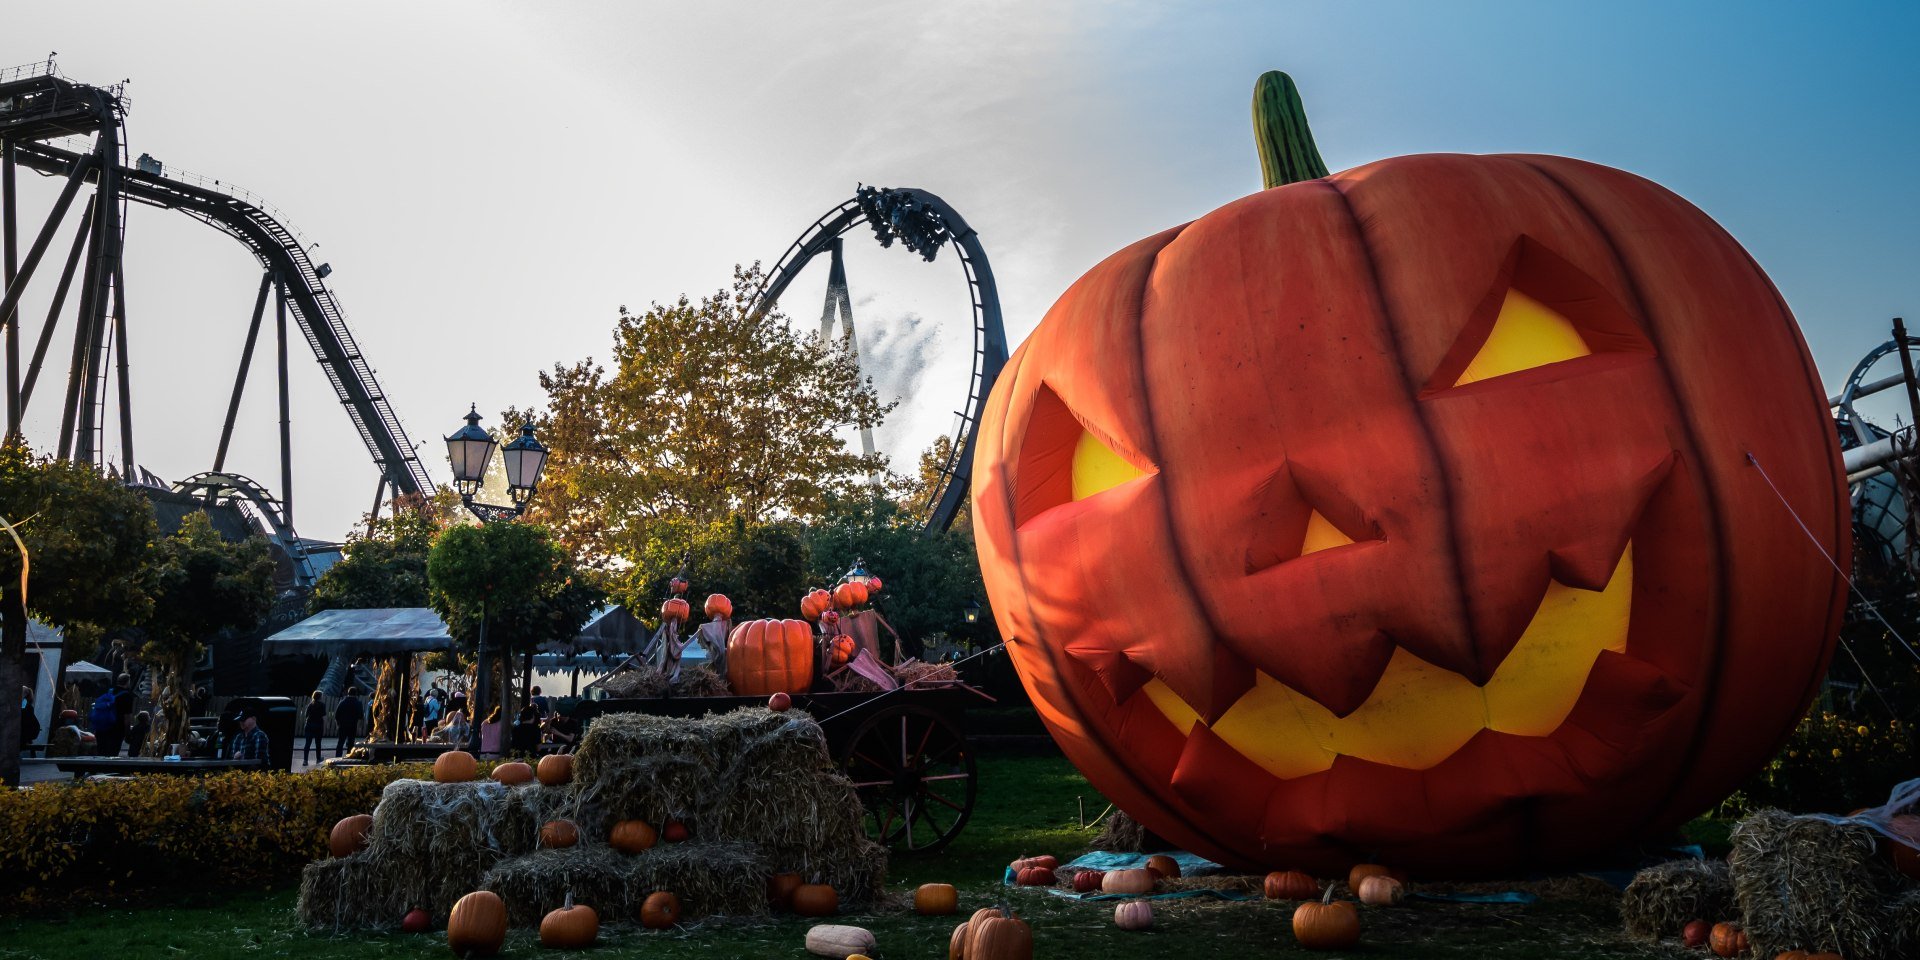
x=1815, y=883
x=756, y=790
x=1662, y=899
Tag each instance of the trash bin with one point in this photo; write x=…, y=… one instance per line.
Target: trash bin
x=276, y=715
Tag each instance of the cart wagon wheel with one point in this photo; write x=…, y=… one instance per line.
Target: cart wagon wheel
x=914, y=772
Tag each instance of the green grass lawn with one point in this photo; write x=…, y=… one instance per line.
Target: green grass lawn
x=1027, y=805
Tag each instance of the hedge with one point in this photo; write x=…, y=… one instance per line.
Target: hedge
x=109, y=839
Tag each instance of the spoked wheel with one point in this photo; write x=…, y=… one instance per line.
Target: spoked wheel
x=915, y=775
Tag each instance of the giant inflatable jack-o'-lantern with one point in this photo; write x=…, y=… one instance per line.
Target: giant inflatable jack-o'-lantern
x=1406, y=514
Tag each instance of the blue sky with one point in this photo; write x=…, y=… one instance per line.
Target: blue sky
x=491, y=181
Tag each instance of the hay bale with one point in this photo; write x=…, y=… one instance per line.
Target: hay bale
x=709, y=879
x=1663, y=898
x=349, y=893
x=1123, y=834
x=635, y=681
x=1807, y=883
x=700, y=681
x=439, y=839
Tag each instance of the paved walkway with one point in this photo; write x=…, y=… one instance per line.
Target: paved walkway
x=35, y=770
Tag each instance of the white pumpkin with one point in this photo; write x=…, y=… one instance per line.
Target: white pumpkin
x=839, y=941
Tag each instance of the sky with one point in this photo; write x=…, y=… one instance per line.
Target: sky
x=491, y=182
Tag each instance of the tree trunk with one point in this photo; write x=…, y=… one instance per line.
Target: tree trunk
x=13, y=650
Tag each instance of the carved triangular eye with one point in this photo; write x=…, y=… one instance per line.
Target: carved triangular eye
x=1061, y=461
x=1096, y=467
x=1526, y=334
x=1322, y=535
x=1539, y=311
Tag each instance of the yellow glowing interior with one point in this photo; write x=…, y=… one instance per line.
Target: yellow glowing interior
x=1322, y=535
x=1527, y=334
x=1096, y=467
x=1419, y=714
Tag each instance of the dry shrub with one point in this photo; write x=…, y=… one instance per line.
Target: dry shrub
x=1663, y=898
x=709, y=878
x=1123, y=834
x=1808, y=883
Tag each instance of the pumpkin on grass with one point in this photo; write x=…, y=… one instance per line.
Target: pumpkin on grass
x=416, y=921
x=1128, y=881
x=631, y=836
x=349, y=836
x=1045, y=860
x=572, y=927
x=1290, y=885
x=1381, y=891
x=839, y=940
x=815, y=900
x=780, y=888
x=454, y=766
x=559, y=834
x=660, y=911
x=1728, y=940
x=957, y=944
x=512, y=773
x=1163, y=866
x=935, y=899
x=478, y=925
x=1326, y=925
x=1473, y=403
x=1133, y=915
x=1033, y=877
x=998, y=938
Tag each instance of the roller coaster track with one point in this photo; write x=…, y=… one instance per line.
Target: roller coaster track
x=280, y=249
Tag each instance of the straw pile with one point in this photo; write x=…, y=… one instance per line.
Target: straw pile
x=1123, y=834
x=1807, y=883
x=709, y=878
x=699, y=680
x=751, y=776
x=1663, y=899
x=756, y=790
x=636, y=681
x=915, y=671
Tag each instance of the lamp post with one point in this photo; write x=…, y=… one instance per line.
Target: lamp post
x=469, y=451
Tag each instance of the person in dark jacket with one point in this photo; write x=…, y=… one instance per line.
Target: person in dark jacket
x=29, y=721
x=109, y=736
x=315, y=726
x=525, y=738
x=137, y=733
x=346, y=720
x=250, y=743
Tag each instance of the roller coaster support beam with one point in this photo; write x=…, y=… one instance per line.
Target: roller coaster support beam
x=59, y=301
x=11, y=241
x=121, y=364
x=240, y=379
x=79, y=422
x=19, y=274
x=286, y=416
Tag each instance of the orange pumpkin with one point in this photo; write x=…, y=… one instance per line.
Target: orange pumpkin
x=454, y=766
x=1728, y=940
x=676, y=610
x=957, y=943
x=660, y=911
x=849, y=595
x=843, y=649
x=1791, y=955
x=780, y=888
x=512, y=773
x=559, y=834
x=349, y=836
x=1381, y=891
x=1128, y=881
x=555, y=769
x=677, y=585
x=718, y=607
x=1291, y=885
x=1326, y=925
x=571, y=927
x=1163, y=865
x=999, y=938
x=1133, y=915
x=815, y=603
x=935, y=899
x=478, y=925
x=1033, y=877
x=632, y=836
x=815, y=900
x=1309, y=471
x=770, y=656
x=1045, y=860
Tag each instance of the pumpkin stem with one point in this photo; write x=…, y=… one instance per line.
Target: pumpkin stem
x=1287, y=153
x=1328, y=896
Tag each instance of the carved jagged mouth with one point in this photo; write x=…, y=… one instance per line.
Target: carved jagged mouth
x=1419, y=714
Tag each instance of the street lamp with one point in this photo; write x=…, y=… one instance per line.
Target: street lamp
x=858, y=574
x=469, y=451
x=971, y=611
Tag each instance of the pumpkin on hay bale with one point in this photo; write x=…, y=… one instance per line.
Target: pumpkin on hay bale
x=709, y=878
x=1809, y=883
x=1664, y=898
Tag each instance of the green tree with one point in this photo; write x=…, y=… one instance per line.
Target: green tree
x=710, y=411
x=929, y=579
x=519, y=581
x=915, y=493
x=88, y=545
x=760, y=565
x=387, y=565
x=203, y=585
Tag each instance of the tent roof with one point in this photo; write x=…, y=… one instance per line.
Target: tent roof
x=611, y=631
x=81, y=668
x=384, y=630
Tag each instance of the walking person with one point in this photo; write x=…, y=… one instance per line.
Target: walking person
x=29, y=719
x=430, y=713
x=315, y=728
x=346, y=720
x=109, y=715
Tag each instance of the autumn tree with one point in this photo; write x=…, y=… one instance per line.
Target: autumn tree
x=87, y=544
x=387, y=565
x=930, y=578
x=710, y=410
x=202, y=585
